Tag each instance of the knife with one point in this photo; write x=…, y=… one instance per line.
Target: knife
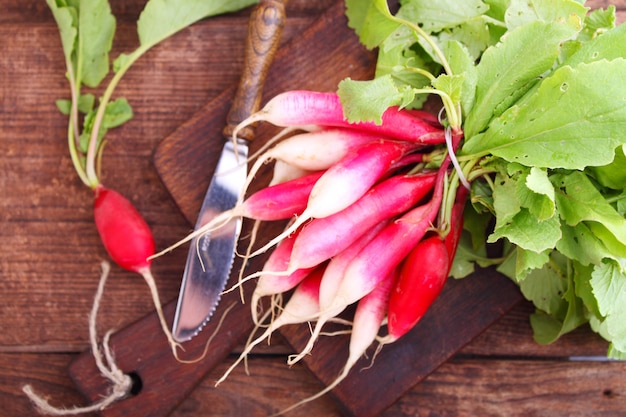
x=211, y=256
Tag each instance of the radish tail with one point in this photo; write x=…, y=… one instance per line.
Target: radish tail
x=147, y=276
x=344, y=373
x=321, y=321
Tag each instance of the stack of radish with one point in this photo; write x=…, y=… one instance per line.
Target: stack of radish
x=368, y=223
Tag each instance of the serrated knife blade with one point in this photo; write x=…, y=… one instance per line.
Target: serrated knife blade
x=211, y=256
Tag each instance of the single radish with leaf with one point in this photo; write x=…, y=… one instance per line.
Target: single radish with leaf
x=87, y=29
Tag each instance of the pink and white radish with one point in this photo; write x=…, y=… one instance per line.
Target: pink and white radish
x=304, y=109
x=311, y=151
x=278, y=202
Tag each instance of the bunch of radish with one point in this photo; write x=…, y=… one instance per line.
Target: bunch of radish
x=374, y=215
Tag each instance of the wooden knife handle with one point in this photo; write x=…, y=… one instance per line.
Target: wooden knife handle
x=264, y=31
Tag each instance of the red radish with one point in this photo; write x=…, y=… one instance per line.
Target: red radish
x=280, y=201
x=310, y=108
x=426, y=116
x=456, y=223
x=347, y=181
x=325, y=237
x=301, y=307
x=128, y=240
x=408, y=160
x=368, y=318
x=125, y=234
x=421, y=280
x=330, y=283
x=388, y=248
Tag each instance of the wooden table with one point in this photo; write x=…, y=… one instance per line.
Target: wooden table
x=50, y=252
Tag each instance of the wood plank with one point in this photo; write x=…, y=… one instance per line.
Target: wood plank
x=477, y=386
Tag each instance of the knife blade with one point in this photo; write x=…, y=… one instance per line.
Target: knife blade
x=211, y=256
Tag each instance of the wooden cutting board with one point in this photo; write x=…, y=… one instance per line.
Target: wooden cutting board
x=318, y=59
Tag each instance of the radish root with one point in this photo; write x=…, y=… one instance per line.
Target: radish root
x=147, y=275
x=210, y=339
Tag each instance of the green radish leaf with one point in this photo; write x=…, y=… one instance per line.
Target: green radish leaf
x=505, y=202
x=615, y=247
x=597, y=22
x=581, y=244
x=612, y=175
x=529, y=232
x=616, y=354
x=96, y=30
x=475, y=34
x=565, y=123
x=547, y=329
x=162, y=18
x=371, y=20
x=536, y=193
x=452, y=85
x=66, y=18
x=527, y=261
x=85, y=104
x=476, y=224
x=545, y=287
x=463, y=64
x=502, y=80
x=464, y=259
x=607, y=45
x=522, y=12
x=64, y=106
x=578, y=200
x=435, y=16
x=609, y=287
x=497, y=9
x=399, y=63
x=367, y=100
x=583, y=288
x=117, y=113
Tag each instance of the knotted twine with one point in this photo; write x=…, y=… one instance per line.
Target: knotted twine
x=121, y=383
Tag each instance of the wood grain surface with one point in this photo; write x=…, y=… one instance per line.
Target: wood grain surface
x=50, y=252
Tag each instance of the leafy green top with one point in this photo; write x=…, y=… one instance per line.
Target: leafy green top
x=536, y=87
x=87, y=28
